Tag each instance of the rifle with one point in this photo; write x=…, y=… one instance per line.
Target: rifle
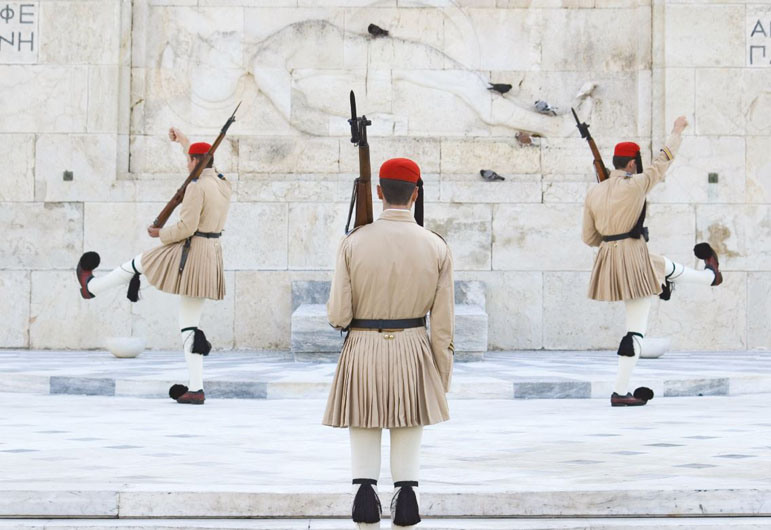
x=361, y=197
x=176, y=200
x=599, y=167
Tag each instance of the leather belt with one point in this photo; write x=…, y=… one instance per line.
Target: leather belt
x=634, y=234
x=401, y=323
x=186, y=246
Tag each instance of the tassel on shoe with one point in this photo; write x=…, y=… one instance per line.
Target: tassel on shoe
x=366, y=503
x=200, y=344
x=404, y=505
x=643, y=393
x=176, y=391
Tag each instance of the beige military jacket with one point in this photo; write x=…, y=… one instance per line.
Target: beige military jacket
x=623, y=270
x=393, y=269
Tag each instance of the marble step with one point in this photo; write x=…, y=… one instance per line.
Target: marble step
x=716, y=523
x=222, y=502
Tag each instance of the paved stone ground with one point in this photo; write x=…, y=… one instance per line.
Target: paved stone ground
x=529, y=457
x=503, y=375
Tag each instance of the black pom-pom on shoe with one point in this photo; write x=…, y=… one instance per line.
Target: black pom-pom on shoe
x=89, y=261
x=366, y=503
x=177, y=390
x=643, y=393
x=404, y=506
x=703, y=251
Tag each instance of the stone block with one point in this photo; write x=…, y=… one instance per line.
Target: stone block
x=522, y=233
x=236, y=389
x=104, y=98
x=118, y=231
x=156, y=317
x=514, y=307
x=80, y=32
x=758, y=310
x=262, y=310
x=314, y=234
x=740, y=234
x=310, y=292
x=687, y=28
x=255, y=236
x=291, y=187
x=687, y=178
x=58, y=503
x=673, y=232
x=470, y=329
x=15, y=290
x=82, y=386
x=593, y=48
x=757, y=101
x=471, y=188
x=17, y=174
x=720, y=107
x=571, y=321
x=696, y=387
x=426, y=152
x=64, y=109
x=758, y=170
x=679, y=97
x=570, y=158
x=311, y=332
x=565, y=191
x=463, y=97
x=55, y=297
x=44, y=236
x=505, y=156
x=91, y=158
x=700, y=317
x=289, y=155
x=402, y=47
x=504, y=30
x=467, y=228
x=552, y=390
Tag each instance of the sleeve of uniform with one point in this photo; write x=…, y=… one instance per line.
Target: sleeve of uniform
x=189, y=215
x=656, y=172
x=443, y=321
x=590, y=235
x=340, y=304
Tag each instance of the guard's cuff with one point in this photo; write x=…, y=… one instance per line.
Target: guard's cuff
x=668, y=153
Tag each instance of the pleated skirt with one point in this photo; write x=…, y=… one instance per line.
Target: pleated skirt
x=623, y=270
x=202, y=277
x=386, y=383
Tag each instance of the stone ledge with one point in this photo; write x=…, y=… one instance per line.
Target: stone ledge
x=174, y=501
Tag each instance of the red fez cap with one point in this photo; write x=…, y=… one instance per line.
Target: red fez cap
x=400, y=169
x=199, y=148
x=629, y=149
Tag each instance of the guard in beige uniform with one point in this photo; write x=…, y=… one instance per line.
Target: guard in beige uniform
x=391, y=374
x=623, y=270
x=188, y=264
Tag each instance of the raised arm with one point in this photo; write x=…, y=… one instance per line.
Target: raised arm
x=175, y=135
x=657, y=171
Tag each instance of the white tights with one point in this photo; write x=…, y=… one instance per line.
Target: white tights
x=637, y=317
x=405, y=457
x=190, y=310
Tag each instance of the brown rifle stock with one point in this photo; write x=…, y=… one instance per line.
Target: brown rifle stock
x=179, y=195
x=599, y=167
x=361, y=198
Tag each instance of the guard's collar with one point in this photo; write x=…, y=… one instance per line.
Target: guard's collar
x=394, y=214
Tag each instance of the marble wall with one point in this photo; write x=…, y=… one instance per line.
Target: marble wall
x=96, y=90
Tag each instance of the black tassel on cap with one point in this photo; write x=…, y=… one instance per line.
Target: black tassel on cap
x=419, y=204
x=133, y=288
x=404, y=506
x=366, y=503
x=176, y=391
x=200, y=344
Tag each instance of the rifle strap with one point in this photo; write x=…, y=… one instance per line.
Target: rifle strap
x=353, y=203
x=637, y=231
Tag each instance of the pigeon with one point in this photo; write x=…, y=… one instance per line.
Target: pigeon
x=524, y=138
x=377, y=31
x=544, y=108
x=501, y=88
x=490, y=175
